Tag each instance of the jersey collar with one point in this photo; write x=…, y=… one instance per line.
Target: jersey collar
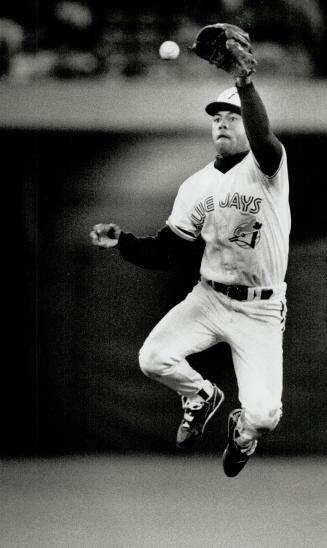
x=224, y=164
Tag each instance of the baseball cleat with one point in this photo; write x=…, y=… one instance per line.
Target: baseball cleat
x=196, y=417
x=235, y=457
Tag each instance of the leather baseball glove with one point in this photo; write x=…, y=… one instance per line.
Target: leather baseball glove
x=226, y=46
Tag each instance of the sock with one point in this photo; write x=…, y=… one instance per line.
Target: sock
x=204, y=393
x=208, y=388
x=246, y=444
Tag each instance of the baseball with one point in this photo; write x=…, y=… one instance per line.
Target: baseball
x=169, y=50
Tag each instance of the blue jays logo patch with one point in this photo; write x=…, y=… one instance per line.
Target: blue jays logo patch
x=247, y=234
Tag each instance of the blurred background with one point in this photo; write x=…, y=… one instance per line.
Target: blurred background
x=96, y=127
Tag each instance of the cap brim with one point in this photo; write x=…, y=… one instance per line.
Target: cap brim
x=216, y=106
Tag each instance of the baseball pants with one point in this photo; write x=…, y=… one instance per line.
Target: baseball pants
x=254, y=331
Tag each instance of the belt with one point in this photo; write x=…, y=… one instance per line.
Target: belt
x=241, y=292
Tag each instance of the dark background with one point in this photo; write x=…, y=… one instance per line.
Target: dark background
x=96, y=127
x=75, y=317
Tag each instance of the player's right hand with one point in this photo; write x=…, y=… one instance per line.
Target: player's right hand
x=105, y=235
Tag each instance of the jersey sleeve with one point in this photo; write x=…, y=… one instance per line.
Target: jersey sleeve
x=182, y=219
x=164, y=251
x=281, y=174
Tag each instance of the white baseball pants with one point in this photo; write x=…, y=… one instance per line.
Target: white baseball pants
x=254, y=331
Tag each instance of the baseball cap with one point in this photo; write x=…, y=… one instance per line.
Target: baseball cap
x=227, y=100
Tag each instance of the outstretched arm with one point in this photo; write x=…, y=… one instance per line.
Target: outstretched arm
x=229, y=48
x=265, y=146
x=165, y=251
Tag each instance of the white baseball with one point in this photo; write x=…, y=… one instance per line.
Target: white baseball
x=169, y=50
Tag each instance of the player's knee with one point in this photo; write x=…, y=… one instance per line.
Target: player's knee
x=151, y=360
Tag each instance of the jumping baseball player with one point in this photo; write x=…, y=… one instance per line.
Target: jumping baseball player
x=237, y=208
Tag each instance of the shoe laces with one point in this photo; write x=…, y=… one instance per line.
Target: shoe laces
x=189, y=406
x=249, y=450
x=187, y=403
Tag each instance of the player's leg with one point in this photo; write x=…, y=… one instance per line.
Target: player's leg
x=257, y=351
x=185, y=330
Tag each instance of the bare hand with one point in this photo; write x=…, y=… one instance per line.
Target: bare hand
x=105, y=235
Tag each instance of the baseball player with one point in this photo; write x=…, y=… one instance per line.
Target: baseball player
x=237, y=206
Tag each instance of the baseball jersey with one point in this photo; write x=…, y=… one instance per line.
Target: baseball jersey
x=244, y=218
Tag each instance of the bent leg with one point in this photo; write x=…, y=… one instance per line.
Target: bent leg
x=258, y=362
x=186, y=329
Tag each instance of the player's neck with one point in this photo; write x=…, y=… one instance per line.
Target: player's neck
x=224, y=163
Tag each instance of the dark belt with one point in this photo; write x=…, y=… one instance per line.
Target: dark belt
x=241, y=292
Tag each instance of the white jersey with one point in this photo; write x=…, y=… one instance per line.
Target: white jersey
x=243, y=217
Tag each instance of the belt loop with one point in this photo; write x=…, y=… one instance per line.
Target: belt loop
x=257, y=294
x=252, y=294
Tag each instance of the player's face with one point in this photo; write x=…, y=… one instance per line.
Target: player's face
x=228, y=133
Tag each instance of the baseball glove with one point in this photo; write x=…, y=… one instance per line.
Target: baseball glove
x=226, y=46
